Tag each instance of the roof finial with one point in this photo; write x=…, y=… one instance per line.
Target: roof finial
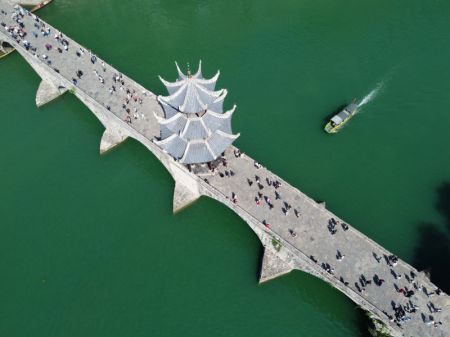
x=189, y=70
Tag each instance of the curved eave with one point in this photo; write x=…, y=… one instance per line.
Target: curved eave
x=198, y=74
x=209, y=84
x=166, y=141
x=168, y=84
x=215, y=121
x=173, y=145
x=171, y=98
x=187, y=157
x=219, y=141
x=222, y=96
x=224, y=115
x=208, y=92
x=166, y=121
x=197, y=150
x=217, y=104
x=229, y=136
x=180, y=73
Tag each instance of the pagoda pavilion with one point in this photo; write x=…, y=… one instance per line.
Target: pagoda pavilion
x=194, y=128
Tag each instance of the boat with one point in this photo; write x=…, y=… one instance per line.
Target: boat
x=341, y=118
x=5, y=47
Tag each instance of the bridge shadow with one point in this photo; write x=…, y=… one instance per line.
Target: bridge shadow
x=433, y=251
x=363, y=322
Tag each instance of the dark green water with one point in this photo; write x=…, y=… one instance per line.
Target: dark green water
x=88, y=244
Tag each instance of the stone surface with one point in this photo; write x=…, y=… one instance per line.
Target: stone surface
x=111, y=138
x=183, y=196
x=47, y=92
x=273, y=266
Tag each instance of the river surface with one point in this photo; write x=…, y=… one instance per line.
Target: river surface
x=88, y=243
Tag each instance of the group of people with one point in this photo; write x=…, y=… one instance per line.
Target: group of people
x=401, y=313
x=128, y=95
x=285, y=208
x=17, y=32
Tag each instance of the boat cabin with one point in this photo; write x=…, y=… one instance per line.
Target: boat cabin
x=340, y=117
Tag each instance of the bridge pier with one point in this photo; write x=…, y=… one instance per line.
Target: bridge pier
x=273, y=264
x=50, y=87
x=111, y=138
x=187, y=188
x=183, y=196
x=114, y=133
x=47, y=92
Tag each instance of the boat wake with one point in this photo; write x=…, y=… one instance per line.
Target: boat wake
x=371, y=94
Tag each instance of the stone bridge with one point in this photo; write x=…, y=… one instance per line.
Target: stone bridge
x=296, y=232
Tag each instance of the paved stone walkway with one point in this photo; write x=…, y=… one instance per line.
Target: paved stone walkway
x=343, y=256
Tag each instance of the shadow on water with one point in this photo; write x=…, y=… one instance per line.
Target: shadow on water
x=433, y=251
x=363, y=322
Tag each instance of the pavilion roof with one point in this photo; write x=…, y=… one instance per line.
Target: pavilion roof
x=192, y=93
x=194, y=129
x=197, y=150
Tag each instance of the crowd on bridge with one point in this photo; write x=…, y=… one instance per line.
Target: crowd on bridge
x=56, y=43
x=402, y=307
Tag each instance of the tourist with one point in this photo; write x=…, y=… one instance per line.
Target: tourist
x=377, y=258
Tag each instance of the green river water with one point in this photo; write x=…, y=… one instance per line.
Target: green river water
x=88, y=244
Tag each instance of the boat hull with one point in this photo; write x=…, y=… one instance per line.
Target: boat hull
x=329, y=128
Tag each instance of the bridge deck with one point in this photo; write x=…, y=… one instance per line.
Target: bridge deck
x=313, y=237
